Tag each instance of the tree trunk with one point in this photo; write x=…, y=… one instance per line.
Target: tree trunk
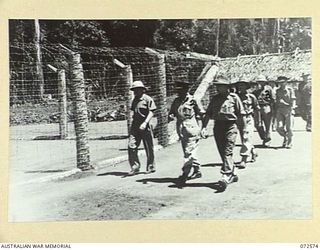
x=39, y=72
x=217, y=37
x=254, y=39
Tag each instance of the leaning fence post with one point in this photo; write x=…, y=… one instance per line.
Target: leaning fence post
x=161, y=90
x=81, y=120
x=62, y=95
x=128, y=93
x=63, y=124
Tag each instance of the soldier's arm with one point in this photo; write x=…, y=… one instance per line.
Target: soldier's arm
x=240, y=112
x=207, y=115
x=152, y=108
x=149, y=116
x=199, y=110
x=172, y=112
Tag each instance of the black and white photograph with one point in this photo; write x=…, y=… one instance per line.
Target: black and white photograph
x=160, y=119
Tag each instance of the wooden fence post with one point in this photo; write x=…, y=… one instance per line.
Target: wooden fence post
x=63, y=124
x=161, y=90
x=162, y=106
x=128, y=93
x=81, y=121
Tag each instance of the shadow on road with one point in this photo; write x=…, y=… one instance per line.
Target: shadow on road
x=176, y=184
x=122, y=174
x=45, y=171
x=126, y=149
x=211, y=165
x=114, y=173
x=159, y=180
x=212, y=185
x=270, y=147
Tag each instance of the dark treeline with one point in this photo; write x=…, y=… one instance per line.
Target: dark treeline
x=34, y=45
x=235, y=36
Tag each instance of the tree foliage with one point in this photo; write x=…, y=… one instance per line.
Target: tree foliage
x=236, y=36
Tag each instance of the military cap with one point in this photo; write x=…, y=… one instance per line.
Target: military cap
x=242, y=79
x=282, y=78
x=261, y=78
x=182, y=83
x=137, y=84
x=221, y=80
x=306, y=76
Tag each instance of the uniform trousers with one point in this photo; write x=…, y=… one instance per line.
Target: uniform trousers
x=247, y=147
x=190, y=147
x=225, y=135
x=306, y=115
x=266, y=118
x=136, y=136
x=285, y=122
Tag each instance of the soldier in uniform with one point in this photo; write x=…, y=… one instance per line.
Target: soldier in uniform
x=305, y=100
x=225, y=108
x=251, y=107
x=143, y=107
x=266, y=101
x=188, y=113
x=285, y=104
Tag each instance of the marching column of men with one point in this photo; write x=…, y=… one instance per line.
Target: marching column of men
x=238, y=106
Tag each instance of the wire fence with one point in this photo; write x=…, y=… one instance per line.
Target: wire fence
x=83, y=93
x=36, y=95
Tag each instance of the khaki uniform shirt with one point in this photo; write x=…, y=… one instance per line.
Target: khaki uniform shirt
x=225, y=108
x=141, y=108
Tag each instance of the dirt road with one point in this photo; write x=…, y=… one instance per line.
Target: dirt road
x=277, y=186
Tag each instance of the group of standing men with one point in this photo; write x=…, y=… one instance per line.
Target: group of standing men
x=238, y=106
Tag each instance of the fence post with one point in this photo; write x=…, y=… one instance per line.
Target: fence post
x=63, y=125
x=81, y=120
x=162, y=106
x=161, y=90
x=128, y=93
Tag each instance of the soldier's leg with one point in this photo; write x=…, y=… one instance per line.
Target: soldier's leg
x=149, y=148
x=231, y=136
x=187, y=162
x=265, y=122
x=257, y=117
x=280, y=127
x=219, y=137
x=247, y=148
x=308, y=118
x=268, y=120
x=227, y=170
x=193, y=148
x=289, y=127
x=133, y=145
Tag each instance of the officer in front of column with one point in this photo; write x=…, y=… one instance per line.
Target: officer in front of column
x=143, y=107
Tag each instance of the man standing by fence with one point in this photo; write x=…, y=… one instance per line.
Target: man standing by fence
x=285, y=104
x=143, y=107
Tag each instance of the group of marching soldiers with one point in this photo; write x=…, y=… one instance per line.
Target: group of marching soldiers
x=243, y=105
